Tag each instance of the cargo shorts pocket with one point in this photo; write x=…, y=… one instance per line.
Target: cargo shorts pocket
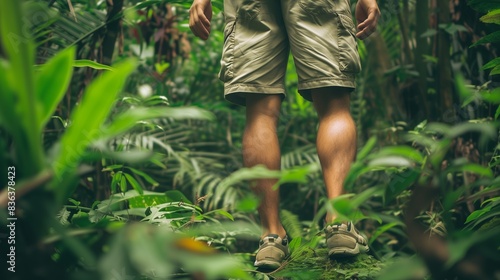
x=316, y=8
x=348, y=48
x=227, y=61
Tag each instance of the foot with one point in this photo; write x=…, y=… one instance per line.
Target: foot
x=344, y=241
x=272, y=251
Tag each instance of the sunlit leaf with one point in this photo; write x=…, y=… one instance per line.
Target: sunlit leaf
x=131, y=117
x=52, y=81
x=87, y=118
x=403, y=151
x=91, y=64
x=390, y=161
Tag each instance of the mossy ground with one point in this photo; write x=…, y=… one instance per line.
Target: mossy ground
x=309, y=264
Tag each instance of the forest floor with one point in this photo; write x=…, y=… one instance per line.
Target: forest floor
x=307, y=264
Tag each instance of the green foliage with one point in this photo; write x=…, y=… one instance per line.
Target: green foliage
x=150, y=152
x=313, y=263
x=493, y=16
x=484, y=6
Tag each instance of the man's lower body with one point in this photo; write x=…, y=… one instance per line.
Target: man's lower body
x=258, y=37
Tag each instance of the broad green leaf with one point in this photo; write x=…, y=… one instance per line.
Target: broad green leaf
x=295, y=244
x=123, y=184
x=223, y=213
x=346, y=210
x=112, y=167
x=490, y=38
x=81, y=219
x=19, y=50
x=87, y=118
x=135, y=199
x=52, y=81
x=144, y=175
x=247, y=204
x=487, y=130
x=497, y=113
x=383, y=229
x=484, y=6
x=156, y=100
x=492, y=96
x=174, y=195
x=491, y=17
x=486, y=216
x=402, y=151
x=452, y=28
x=213, y=266
x=495, y=71
x=146, y=250
x=400, y=182
x=133, y=182
x=459, y=247
x=114, y=181
x=115, y=263
x=478, y=213
x=8, y=117
x=493, y=63
x=429, y=33
x=451, y=198
x=92, y=64
x=297, y=174
x=129, y=119
x=149, y=198
x=357, y=169
x=361, y=198
x=472, y=168
x=367, y=148
x=390, y=161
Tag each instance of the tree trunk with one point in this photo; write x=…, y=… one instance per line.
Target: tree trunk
x=444, y=81
x=422, y=48
x=112, y=31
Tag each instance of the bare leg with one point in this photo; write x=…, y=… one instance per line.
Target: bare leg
x=261, y=146
x=336, y=140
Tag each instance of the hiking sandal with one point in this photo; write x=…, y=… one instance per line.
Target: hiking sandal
x=344, y=241
x=272, y=251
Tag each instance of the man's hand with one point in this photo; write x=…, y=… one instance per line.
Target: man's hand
x=200, y=16
x=367, y=15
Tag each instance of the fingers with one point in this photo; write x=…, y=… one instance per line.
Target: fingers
x=199, y=23
x=368, y=26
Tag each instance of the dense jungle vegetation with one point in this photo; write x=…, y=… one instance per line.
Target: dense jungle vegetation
x=120, y=159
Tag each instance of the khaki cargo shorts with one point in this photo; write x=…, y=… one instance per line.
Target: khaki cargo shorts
x=258, y=36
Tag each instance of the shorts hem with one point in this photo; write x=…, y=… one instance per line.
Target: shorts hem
x=236, y=93
x=305, y=87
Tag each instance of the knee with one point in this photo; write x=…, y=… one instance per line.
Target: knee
x=263, y=109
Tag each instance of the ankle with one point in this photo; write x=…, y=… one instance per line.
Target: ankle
x=280, y=232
